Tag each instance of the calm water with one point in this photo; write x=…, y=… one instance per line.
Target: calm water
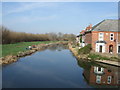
x=54, y=67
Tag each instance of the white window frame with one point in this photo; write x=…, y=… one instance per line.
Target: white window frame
x=98, y=79
x=109, y=79
x=101, y=39
x=118, y=48
x=111, y=36
x=96, y=70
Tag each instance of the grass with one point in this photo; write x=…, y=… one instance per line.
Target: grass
x=13, y=49
x=85, y=50
x=97, y=57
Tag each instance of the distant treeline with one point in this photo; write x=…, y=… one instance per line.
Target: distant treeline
x=9, y=36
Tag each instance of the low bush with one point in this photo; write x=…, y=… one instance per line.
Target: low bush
x=85, y=50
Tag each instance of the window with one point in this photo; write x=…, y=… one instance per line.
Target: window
x=109, y=80
x=111, y=36
x=98, y=79
x=98, y=70
x=101, y=36
x=95, y=69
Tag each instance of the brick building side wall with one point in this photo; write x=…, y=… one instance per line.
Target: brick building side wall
x=95, y=37
x=88, y=38
x=104, y=77
x=109, y=42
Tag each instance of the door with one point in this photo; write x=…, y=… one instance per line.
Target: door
x=100, y=50
x=111, y=49
x=118, y=49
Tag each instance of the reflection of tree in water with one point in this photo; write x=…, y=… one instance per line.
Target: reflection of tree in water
x=58, y=47
x=100, y=75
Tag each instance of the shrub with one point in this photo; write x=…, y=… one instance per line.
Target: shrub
x=85, y=50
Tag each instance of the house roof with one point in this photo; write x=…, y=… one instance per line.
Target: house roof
x=89, y=27
x=107, y=25
x=82, y=32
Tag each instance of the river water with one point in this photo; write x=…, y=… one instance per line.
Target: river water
x=56, y=67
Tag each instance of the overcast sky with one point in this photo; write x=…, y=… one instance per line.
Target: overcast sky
x=65, y=17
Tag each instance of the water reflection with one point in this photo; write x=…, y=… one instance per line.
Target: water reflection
x=46, y=69
x=55, y=67
x=58, y=47
x=55, y=47
x=100, y=75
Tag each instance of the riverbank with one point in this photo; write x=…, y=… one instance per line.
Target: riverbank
x=93, y=57
x=13, y=49
x=9, y=58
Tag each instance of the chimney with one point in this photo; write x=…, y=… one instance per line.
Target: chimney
x=90, y=26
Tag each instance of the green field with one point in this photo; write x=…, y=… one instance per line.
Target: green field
x=13, y=49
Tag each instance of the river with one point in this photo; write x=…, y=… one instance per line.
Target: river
x=56, y=67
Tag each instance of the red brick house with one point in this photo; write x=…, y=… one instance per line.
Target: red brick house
x=102, y=76
x=104, y=37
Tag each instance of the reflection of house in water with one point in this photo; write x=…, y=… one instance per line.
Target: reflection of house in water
x=102, y=76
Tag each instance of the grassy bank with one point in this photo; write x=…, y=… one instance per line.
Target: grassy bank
x=99, y=57
x=13, y=49
x=95, y=56
x=85, y=54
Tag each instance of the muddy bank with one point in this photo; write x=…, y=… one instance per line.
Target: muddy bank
x=13, y=58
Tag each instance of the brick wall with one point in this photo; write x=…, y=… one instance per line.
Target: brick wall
x=104, y=77
x=88, y=38
x=95, y=37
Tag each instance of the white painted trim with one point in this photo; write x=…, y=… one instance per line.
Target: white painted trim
x=101, y=35
x=117, y=47
x=111, y=36
x=96, y=70
x=97, y=48
x=98, y=79
x=109, y=79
